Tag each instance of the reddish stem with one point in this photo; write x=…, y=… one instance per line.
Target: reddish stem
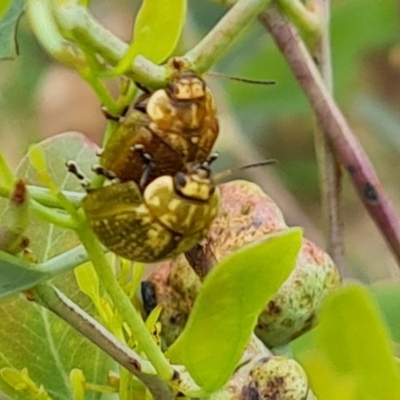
x=344, y=143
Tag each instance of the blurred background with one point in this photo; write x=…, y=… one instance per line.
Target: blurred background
x=40, y=98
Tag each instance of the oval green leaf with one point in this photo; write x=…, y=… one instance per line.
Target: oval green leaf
x=226, y=310
x=157, y=30
x=353, y=337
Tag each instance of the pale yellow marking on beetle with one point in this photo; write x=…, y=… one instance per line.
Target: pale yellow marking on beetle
x=193, y=111
x=188, y=221
x=146, y=220
x=185, y=92
x=174, y=204
x=173, y=218
x=197, y=89
x=154, y=201
x=152, y=233
x=153, y=109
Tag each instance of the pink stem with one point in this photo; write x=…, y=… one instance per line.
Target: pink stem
x=345, y=145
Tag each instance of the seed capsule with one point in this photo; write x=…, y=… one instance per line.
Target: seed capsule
x=246, y=215
x=172, y=215
x=167, y=130
x=276, y=377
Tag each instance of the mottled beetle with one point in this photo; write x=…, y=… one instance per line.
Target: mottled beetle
x=166, y=131
x=171, y=215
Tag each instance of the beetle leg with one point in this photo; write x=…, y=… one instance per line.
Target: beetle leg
x=211, y=158
x=149, y=296
x=148, y=164
x=74, y=169
x=99, y=170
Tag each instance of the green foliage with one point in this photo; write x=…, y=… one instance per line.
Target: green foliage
x=10, y=12
x=388, y=297
x=225, y=313
x=352, y=356
x=4, y=6
x=157, y=29
x=17, y=275
x=36, y=333
x=51, y=240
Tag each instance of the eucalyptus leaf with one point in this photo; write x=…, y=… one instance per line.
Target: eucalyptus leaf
x=226, y=310
x=325, y=380
x=352, y=336
x=10, y=13
x=30, y=336
x=48, y=240
x=157, y=30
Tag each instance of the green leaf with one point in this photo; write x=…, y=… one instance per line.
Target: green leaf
x=226, y=310
x=30, y=336
x=17, y=275
x=10, y=12
x=157, y=30
x=388, y=297
x=325, y=380
x=47, y=241
x=353, y=337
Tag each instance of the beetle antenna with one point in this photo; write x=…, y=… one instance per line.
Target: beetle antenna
x=244, y=80
x=220, y=176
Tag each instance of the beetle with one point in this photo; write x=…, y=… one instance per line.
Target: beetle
x=172, y=214
x=166, y=131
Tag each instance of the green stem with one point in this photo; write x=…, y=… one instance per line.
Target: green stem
x=123, y=304
x=51, y=216
x=39, y=197
x=64, y=262
x=330, y=174
x=41, y=19
x=222, y=36
x=43, y=196
x=87, y=32
x=306, y=21
x=110, y=128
